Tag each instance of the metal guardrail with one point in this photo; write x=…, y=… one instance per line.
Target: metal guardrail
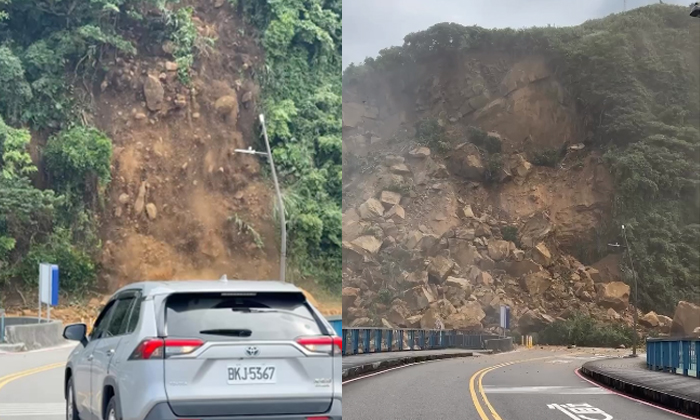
x=675, y=355
x=336, y=322
x=379, y=340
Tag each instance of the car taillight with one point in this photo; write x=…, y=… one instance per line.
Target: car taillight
x=158, y=348
x=323, y=344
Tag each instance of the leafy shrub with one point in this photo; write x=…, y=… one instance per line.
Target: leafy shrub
x=430, y=132
x=78, y=271
x=585, y=331
x=548, y=158
x=494, y=165
x=510, y=233
x=79, y=158
x=482, y=139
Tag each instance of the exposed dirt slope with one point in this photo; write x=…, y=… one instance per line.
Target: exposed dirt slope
x=436, y=236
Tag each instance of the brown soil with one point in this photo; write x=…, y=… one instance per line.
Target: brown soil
x=185, y=156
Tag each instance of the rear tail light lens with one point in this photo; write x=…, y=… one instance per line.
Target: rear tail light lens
x=158, y=348
x=322, y=344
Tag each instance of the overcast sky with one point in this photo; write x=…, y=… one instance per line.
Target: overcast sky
x=371, y=25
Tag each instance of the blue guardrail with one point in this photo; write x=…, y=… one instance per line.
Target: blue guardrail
x=337, y=323
x=675, y=355
x=378, y=340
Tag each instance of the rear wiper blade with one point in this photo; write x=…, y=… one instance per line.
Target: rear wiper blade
x=229, y=332
x=281, y=311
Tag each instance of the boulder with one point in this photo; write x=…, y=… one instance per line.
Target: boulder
x=400, y=169
x=390, y=199
x=361, y=322
x=444, y=307
x=468, y=212
x=431, y=319
x=154, y=93
x=350, y=297
x=370, y=244
x=418, y=298
x=650, y=320
x=466, y=162
x=391, y=160
x=420, y=153
x=396, y=214
x=519, y=166
x=413, y=239
x=533, y=321
x=521, y=268
x=665, y=323
x=484, y=279
x=541, y=255
x=463, y=252
x=468, y=317
x=398, y=314
x=686, y=318
x=371, y=209
x=353, y=230
x=413, y=322
x=459, y=283
x=498, y=249
x=226, y=106
x=151, y=211
x=615, y=295
x=536, y=283
x=439, y=268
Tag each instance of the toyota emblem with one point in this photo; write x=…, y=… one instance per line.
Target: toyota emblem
x=252, y=351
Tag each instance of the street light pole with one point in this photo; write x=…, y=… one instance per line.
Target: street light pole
x=636, y=294
x=280, y=202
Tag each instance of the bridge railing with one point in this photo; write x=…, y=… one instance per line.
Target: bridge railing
x=377, y=340
x=675, y=355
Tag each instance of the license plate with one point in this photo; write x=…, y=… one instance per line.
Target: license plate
x=252, y=374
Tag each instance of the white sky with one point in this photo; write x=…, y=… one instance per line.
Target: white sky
x=371, y=25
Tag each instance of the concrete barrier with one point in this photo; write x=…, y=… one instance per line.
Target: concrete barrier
x=499, y=345
x=27, y=331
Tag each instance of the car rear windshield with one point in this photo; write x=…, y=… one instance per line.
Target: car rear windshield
x=233, y=317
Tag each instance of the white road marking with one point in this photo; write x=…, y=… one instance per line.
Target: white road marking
x=33, y=409
x=553, y=390
x=581, y=411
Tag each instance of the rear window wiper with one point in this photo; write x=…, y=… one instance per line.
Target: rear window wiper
x=281, y=311
x=228, y=332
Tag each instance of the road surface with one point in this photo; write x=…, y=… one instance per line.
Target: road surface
x=31, y=385
x=523, y=385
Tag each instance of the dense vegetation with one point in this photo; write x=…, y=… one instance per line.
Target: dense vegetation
x=51, y=54
x=634, y=77
x=582, y=330
x=302, y=104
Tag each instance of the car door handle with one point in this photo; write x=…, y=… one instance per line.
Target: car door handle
x=110, y=352
x=90, y=357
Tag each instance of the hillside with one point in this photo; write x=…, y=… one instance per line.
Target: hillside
x=118, y=124
x=484, y=167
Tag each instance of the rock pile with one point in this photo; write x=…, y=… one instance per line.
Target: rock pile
x=398, y=272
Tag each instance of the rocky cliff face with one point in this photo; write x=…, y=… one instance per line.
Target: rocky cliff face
x=440, y=229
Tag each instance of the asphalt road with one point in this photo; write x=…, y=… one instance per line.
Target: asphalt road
x=31, y=385
x=525, y=385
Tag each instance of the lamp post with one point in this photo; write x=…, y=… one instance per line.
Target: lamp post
x=636, y=295
x=280, y=202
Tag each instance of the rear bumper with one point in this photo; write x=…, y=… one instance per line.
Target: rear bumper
x=162, y=411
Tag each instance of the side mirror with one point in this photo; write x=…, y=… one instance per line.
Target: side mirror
x=76, y=332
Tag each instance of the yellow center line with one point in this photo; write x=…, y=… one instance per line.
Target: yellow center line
x=14, y=376
x=479, y=376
